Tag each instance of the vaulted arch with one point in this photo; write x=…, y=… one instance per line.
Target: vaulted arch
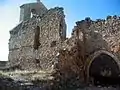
x=102, y=63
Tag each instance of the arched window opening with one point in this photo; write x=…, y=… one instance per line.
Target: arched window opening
x=36, y=38
x=62, y=30
x=37, y=63
x=33, y=13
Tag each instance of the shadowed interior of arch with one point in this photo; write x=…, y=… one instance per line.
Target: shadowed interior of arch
x=104, y=70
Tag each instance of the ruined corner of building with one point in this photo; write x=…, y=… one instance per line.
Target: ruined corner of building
x=39, y=42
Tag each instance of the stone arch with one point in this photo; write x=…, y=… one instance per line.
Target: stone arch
x=93, y=57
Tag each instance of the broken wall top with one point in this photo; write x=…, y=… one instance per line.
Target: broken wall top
x=99, y=34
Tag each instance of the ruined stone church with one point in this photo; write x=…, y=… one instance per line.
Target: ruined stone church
x=41, y=33
x=36, y=39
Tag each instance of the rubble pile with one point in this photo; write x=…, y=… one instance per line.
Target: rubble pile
x=69, y=69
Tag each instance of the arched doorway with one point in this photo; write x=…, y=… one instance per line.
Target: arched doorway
x=103, y=68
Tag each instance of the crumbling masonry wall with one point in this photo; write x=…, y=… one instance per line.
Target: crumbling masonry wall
x=51, y=36
x=89, y=37
x=22, y=40
x=35, y=43
x=100, y=34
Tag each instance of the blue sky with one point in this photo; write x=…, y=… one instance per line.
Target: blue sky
x=74, y=10
x=79, y=9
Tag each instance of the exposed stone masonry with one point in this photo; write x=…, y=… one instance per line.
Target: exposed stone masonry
x=97, y=37
x=37, y=42
x=102, y=34
x=24, y=41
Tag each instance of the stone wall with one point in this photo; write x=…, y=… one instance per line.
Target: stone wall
x=35, y=43
x=52, y=30
x=100, y=34
x=50, y=37
x=92, y=36
x=109, y=30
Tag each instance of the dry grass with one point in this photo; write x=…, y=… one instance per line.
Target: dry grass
x=28, y=75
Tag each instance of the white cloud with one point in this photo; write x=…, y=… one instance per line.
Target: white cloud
x=9, y=17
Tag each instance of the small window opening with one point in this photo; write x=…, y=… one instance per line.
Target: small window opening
x=33, y=13
x=62, y=32
x=37, y=61
x=36, y=38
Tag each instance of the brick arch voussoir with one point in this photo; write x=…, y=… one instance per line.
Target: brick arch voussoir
x=96, y=54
